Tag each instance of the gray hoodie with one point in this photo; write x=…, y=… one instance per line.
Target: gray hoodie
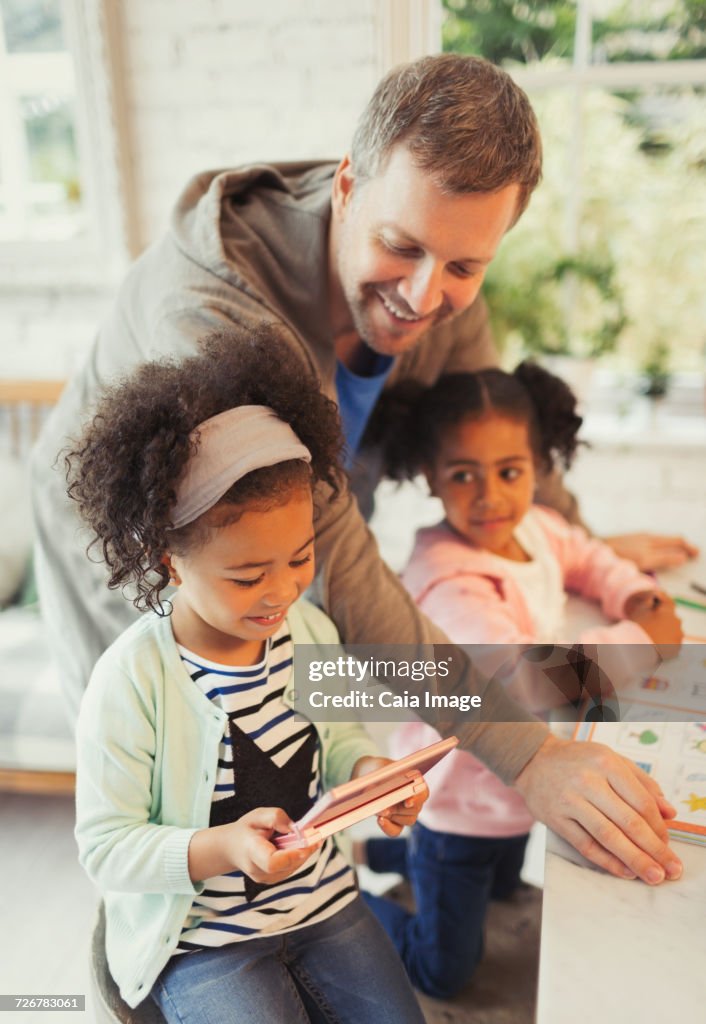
x=245, y=246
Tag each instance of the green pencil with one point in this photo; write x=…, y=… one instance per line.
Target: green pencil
x=690, y=604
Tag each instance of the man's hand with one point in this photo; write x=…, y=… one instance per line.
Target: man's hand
x=395, y=818
x=604, y=805
x=651, y=552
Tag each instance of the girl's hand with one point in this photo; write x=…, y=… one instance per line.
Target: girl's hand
x=651, y=551
x=255, y=855
x=395, y=818
x=244, y=845
x=655, y=612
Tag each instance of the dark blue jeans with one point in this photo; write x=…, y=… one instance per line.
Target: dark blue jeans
x=340, y=971
x=453, y=878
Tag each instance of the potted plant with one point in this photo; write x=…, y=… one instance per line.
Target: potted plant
x=569, y=307
x=566, y=312
x=654, y=374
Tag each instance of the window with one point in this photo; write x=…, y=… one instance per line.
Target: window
x=62, y=190
x=41, y=195
x=619, y=87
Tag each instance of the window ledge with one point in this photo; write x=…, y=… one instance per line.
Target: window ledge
x=647, y=424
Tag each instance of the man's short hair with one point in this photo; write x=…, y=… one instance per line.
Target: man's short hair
x=463, y=119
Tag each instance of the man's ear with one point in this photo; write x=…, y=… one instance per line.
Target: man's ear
x=166, y=560
x=343, y=185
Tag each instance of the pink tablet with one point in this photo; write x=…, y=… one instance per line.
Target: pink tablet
x=361, y=798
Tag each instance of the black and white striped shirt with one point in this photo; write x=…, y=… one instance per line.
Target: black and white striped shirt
x=269, y=756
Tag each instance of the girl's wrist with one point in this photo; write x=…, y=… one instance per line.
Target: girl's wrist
x=209, y=855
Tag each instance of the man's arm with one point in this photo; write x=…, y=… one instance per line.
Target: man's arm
x=370, y=606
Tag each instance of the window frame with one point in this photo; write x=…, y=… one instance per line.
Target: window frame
x=581, y=75
x=407, y=29
x=98, y=257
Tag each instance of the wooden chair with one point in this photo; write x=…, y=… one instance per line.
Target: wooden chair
x=24, y=406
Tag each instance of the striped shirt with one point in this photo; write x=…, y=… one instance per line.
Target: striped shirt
x=269, y=756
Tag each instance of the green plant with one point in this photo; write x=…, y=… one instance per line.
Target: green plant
x=640, y=213
x=533, y=311
x=655, y=375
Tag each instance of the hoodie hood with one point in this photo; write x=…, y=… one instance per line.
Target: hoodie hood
x=264, y=230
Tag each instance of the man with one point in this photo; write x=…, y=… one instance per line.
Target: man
x=372, y=270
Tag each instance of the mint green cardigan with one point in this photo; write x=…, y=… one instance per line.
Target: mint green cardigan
x=147, y=754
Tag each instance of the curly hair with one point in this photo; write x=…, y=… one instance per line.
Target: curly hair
x=124, y=470
x=411, y=419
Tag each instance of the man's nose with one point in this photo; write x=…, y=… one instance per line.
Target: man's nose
x=422, y=289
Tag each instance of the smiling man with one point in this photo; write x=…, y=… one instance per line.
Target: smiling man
x=372, y=271
x=405, y=256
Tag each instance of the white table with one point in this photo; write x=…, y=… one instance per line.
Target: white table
x=614, y=951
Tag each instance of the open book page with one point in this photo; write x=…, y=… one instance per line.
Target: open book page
x=674, y=692
x=674, y=753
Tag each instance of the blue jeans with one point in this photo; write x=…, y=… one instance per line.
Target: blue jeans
x=453, y=878
x=340, y=971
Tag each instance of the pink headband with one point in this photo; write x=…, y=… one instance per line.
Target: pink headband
x=230, y=446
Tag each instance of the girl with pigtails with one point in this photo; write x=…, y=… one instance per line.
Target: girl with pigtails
x=494, y=572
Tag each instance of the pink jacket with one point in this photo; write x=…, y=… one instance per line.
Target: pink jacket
x=465, y=591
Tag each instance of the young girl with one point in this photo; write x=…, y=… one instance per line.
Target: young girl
x=494, y=572
x=190, y=757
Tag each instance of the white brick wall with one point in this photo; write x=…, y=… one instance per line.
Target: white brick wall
x=45, y=334
x=643, y=487
x=208, y=83
x=215, y=84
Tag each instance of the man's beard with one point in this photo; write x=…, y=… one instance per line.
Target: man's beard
x=361, y=309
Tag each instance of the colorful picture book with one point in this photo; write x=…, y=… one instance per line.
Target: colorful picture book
x=674, y=753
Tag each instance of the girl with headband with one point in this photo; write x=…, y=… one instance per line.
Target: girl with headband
x=190, y=757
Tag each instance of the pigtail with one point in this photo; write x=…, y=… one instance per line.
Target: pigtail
x=395, y=427
x=555, y=412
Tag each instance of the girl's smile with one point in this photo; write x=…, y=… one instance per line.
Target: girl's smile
x=484, y=475
x=268, y=620
x=236, y=588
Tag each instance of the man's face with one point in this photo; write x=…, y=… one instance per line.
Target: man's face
x=405, y=256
